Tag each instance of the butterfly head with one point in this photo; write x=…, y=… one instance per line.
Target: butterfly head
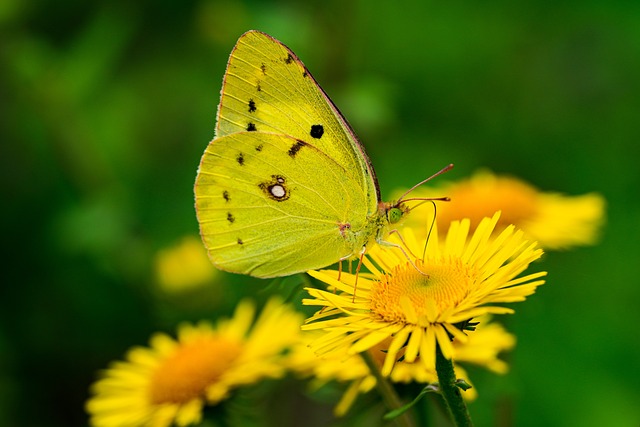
x=396, y=212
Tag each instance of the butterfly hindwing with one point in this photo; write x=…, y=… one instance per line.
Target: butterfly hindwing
x=268, y=203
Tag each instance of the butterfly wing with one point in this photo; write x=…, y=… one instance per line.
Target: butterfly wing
x=271, y=205
x=285, y=186
x=267, y=88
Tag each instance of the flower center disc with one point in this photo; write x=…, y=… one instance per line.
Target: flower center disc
x=187, y=373
x=440, y=285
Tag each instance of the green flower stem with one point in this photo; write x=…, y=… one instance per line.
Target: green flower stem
x=386, y=390
x=450, y=391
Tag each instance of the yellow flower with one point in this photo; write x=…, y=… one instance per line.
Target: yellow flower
x=554, y=220
x=172, y=380
x=184, y=266
x=420, y=303
x=340, y=367
x=482, y=348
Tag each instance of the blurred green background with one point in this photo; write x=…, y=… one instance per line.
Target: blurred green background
x=107, y=106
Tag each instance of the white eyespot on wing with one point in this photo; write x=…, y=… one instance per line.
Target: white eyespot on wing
x=277, y=191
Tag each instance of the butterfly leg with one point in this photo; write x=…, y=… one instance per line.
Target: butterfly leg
x=355, y=283
x=396, y=231
x=349, y=259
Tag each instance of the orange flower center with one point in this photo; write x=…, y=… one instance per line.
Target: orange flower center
x=484, y=196
x=410, y=296
x=194, y=366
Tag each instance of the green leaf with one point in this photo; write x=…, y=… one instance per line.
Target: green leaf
x=431, y=388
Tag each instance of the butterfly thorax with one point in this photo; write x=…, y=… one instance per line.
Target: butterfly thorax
x=375, y=228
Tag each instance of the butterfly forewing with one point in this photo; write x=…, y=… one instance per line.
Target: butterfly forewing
x=268, y=89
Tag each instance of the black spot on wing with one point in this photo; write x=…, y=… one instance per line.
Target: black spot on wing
x=263, y=68
x=240, y=159
x=240, y=242
x=317, y=131
x=296, y=147
x=251, y=127
x=258, y=87
x=289, y=59
x=305, y=73
x=259, y=147
x=230, y=218
x=225, y=195
x=252, y=106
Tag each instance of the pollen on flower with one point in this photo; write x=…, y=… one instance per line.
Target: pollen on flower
x=410, y=296
x=194, y=367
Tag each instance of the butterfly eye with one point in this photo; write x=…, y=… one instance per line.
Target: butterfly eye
x=394, y=215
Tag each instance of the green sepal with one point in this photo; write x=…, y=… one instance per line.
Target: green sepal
x=462, y=384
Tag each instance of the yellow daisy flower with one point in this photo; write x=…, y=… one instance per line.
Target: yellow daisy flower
x=421, y=303
x=340, y=367
x=554, y=220
x=482, y=348
x=172, y=380
x=184, y=266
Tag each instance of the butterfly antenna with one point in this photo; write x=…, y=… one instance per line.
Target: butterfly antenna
x=440, y=172
x=433, y=223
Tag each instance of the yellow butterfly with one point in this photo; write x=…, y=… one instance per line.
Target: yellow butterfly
x=285, y=186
